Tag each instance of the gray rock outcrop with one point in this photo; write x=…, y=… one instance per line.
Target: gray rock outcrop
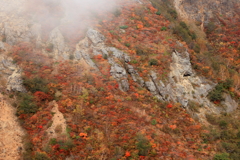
x=12, y=74
x=120, y=74
x=205, y=10
x=15, y=82
x=92, y=45
x=58, y=45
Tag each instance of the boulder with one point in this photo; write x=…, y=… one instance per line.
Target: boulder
x=94, y=36
x=15, y=82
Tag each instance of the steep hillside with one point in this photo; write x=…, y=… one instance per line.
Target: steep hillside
x=204, y=11
x=123, y=79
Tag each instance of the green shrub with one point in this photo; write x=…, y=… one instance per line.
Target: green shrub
x=184, y=25
x=123, y=27
x=66, y=145
x=221, y=156
x=140, y=51
x=217, y=93
x=41, y=156
x=163, y=28
x=197, y=48
x=127, y=44
x=158, y=13
x=223, y=124
x=105, y=56
x=63, y=144
x=227, y=134
x=235, y=156
x=153, y=62
x=230, y=147
x=227, y=84
x=36, y=84
x=27, y=104
x=53, y=141
x=173, y=13
x=154, y=122
x=212, y=136
x=143, y=145
x=182, y=33
x=134, y=61
x=28, y=148
x=193, y=35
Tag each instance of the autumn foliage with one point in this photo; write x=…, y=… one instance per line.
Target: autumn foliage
x=101, y=120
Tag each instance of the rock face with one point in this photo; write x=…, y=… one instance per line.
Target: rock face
x=204, y=10
x=183, y=84
x=11, y=75
x=92, y=45
x=56, y=42
x=120, y=74
x=59, y=124
x=15, y=82
x=14, y=27
x=11, y=133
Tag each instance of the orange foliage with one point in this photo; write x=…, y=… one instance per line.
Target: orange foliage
x=173, y=126
x=83, y=135
x=127, y=154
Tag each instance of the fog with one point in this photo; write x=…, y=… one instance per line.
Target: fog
x=71, y=16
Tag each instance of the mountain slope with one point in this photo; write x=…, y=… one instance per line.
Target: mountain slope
x=130, y=84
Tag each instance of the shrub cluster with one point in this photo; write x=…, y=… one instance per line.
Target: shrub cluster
x=153, y=62
x=226, y=132
x=184, y=33
x=35, y=84
x=217, y=93
x=27, y=104
x=143, y=145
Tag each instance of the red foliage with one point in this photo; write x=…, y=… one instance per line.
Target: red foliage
x=169, y=105
x=127, y=154
x=41, y=96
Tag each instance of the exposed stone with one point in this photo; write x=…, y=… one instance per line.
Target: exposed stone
x=134, y=74
x=95, y=36
x=15, y=82
x=206, y=10
x=78, y=55
x=2, y=46
x=83, y=51
x=119, y=54
x=181, y=61
x=230, y=104
x=120, y=74
x=17, y=29
x=93, y=44
x=56, y=40
x=151, y=87
x=124, y=85
x=12, y=74
x=11, y=133
x=59, y=124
